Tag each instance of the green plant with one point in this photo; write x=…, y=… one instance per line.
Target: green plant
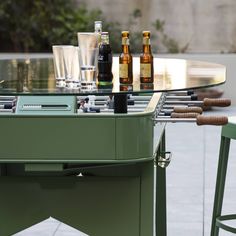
x=114, y=30
x=36, y=25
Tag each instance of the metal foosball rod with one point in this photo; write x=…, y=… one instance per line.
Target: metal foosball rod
x=208, y=102
x=199, y=119
x=181, y=93
x=7, y=104
x=140, y=101
x=178, y=115
x=181, y=109
x=192, y=97
x=4, y=98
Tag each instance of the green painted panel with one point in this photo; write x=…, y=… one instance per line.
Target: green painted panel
x=43, y=167
x=147, y=202
x=57, y=138
x=134, y=137
x=46, y=105
x=100, y=206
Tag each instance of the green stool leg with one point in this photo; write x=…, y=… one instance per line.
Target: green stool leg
x=220, y=183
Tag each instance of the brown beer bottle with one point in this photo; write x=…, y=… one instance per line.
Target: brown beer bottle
x=146, y=60
x=125, y=61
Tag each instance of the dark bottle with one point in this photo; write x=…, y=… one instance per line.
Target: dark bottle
x=125, y=61
x=105, y=75
x=146, y=60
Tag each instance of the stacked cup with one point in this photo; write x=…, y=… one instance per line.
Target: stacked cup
x=66, y=66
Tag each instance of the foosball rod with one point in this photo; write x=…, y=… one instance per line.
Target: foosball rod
x=200, y=120
x=180, y=109
x=183, y=93
x=192, y=97
x=208, y=102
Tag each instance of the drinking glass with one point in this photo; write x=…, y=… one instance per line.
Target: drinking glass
x=66, y=64
x=58, y=65
x=88, y=58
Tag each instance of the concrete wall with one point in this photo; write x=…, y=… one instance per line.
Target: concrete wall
x=207, y=25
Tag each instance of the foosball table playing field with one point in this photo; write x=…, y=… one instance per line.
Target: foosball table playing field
x=90, y=159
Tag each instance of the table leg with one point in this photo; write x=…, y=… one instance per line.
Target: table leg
x=161, y=225
x=120, y=103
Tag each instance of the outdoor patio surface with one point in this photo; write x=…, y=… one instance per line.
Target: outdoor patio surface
x=191, y=176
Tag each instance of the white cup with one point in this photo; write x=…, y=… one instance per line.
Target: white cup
x=66, y=66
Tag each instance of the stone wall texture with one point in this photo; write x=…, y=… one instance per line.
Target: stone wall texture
x=207, y=25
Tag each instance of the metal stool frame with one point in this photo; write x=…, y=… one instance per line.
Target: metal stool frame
x=228, y=133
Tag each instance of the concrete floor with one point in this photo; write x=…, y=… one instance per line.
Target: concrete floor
x=191, y=177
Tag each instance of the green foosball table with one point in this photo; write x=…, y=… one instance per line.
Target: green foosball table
x=99, y=172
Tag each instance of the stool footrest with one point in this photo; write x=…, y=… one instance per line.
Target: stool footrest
x=220, y=224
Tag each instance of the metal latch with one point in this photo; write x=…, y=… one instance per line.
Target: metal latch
x=164, y=159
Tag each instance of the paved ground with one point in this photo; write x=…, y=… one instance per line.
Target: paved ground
x=191, y=177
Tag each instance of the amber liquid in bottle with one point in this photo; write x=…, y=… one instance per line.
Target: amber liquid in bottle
x=125, y=61
x=146, y=60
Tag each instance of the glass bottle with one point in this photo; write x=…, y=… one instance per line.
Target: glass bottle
x=146, y=60
x=98, y=29
x=125, y=61
x=105, y=61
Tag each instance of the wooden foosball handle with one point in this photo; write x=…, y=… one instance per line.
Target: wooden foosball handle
x=184, y=115
x=219, y=102
x=212, y=120
x=188, y=109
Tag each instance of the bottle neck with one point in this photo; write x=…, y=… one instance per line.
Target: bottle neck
x=125, y=49
x=147, y=48
x=98, y=27
x=105, y=39
x=125, y=45
x=146, y=45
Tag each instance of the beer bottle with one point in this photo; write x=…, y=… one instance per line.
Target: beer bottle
x=125, y=61
x=146, y=60
x=105, y=61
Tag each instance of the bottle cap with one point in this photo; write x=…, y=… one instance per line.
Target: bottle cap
x=125, y=33
x=146, y=33
x=98, y=22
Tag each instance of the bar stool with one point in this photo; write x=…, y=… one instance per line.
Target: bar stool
x=228, y=132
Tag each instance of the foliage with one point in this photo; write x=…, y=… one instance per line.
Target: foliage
x=159, y=25
x=28, y=25
x=170, y=44
x=114, y=34
x=34, y=26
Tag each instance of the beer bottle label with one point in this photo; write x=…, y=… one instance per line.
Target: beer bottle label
x=123, y=71
x=145, y=70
